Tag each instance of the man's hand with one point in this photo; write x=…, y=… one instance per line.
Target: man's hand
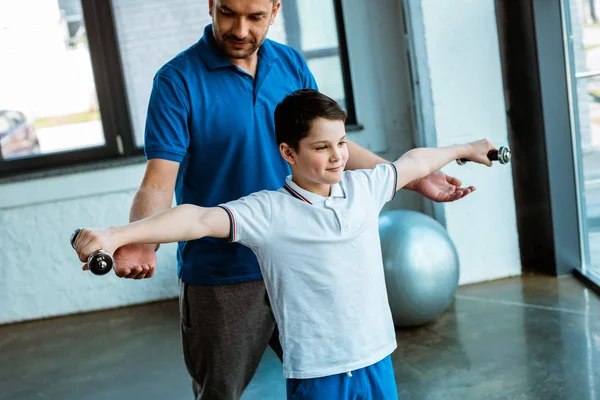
x=135, y=261
x=440, y=187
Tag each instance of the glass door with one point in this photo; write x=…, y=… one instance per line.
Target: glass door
x=582, y=39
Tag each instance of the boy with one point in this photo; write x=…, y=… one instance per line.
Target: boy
x=317, y=243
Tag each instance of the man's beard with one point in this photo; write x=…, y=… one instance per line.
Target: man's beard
x=238, y=54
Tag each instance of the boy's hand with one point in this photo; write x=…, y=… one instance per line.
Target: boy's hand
x=90, y=240
x=135, y=261
x=478, y=151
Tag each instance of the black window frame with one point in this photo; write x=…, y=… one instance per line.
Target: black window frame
x=537, y=72
x=120, y=146
x=112, y=102
x=293, y=30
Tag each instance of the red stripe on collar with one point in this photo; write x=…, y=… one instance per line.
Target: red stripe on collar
x=296, y=194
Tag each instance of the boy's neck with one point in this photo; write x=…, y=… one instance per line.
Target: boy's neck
x=321, y=189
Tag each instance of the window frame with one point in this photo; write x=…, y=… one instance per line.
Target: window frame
x=583, y=269
x=112, y=102
x=120, y=144
x=556, y=101
x=293, y=28
x=539, y=84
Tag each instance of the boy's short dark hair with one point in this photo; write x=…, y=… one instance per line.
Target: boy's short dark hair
x=296, y=112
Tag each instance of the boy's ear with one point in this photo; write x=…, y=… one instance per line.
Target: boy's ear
x=287, y=153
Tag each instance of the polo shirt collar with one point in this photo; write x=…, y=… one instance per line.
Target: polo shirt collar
x=214, y=58
x=266, y=52
x=311, y=198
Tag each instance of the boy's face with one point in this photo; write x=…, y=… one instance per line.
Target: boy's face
x=322, y=155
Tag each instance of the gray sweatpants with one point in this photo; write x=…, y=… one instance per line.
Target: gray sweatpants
x=225, y=331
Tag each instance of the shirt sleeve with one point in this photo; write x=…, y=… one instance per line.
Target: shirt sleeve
x=250, y=219
x=380, y=182
x=167, y=135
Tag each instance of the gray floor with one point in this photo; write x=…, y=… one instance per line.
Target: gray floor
x=522, y=338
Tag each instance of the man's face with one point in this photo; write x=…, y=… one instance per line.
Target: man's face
x=240, y=26
x=322, y=155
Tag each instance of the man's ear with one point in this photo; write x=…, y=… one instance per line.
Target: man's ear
x=287, y=153
x=211, y=4
x=274, y=12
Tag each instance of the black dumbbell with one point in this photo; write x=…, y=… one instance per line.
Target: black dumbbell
x=100, y=262
x=501, y=155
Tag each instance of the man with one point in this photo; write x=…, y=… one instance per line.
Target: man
x=210, y=138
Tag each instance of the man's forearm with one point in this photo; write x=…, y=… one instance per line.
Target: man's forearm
x=148, y=202
x=361, y=158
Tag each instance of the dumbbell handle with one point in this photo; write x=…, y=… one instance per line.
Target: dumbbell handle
x=100, y=262
x=501, y=155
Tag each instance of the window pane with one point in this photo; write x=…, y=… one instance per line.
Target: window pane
x=48, y=80
x=328, y=74
x=317, y=20
x=586, y=34
x=584, y=39
x=150, y=33
x=311, y=27
x=588, y=103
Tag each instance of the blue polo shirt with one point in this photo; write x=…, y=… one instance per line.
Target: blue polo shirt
x=218, y=122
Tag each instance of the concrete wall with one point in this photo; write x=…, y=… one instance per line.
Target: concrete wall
x=39, y=273
x=458, y=80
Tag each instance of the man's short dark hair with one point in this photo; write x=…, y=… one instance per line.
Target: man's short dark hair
x=295, y=114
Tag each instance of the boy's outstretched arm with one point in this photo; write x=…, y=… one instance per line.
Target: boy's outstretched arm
x=437, y=186
x=182, y=223
x=420, y=162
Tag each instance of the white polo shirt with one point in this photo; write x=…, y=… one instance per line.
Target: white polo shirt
x=321, y=261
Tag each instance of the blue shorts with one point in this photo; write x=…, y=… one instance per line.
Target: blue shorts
x=375, y=382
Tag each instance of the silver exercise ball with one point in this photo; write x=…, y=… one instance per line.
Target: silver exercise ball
x=420, y=264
